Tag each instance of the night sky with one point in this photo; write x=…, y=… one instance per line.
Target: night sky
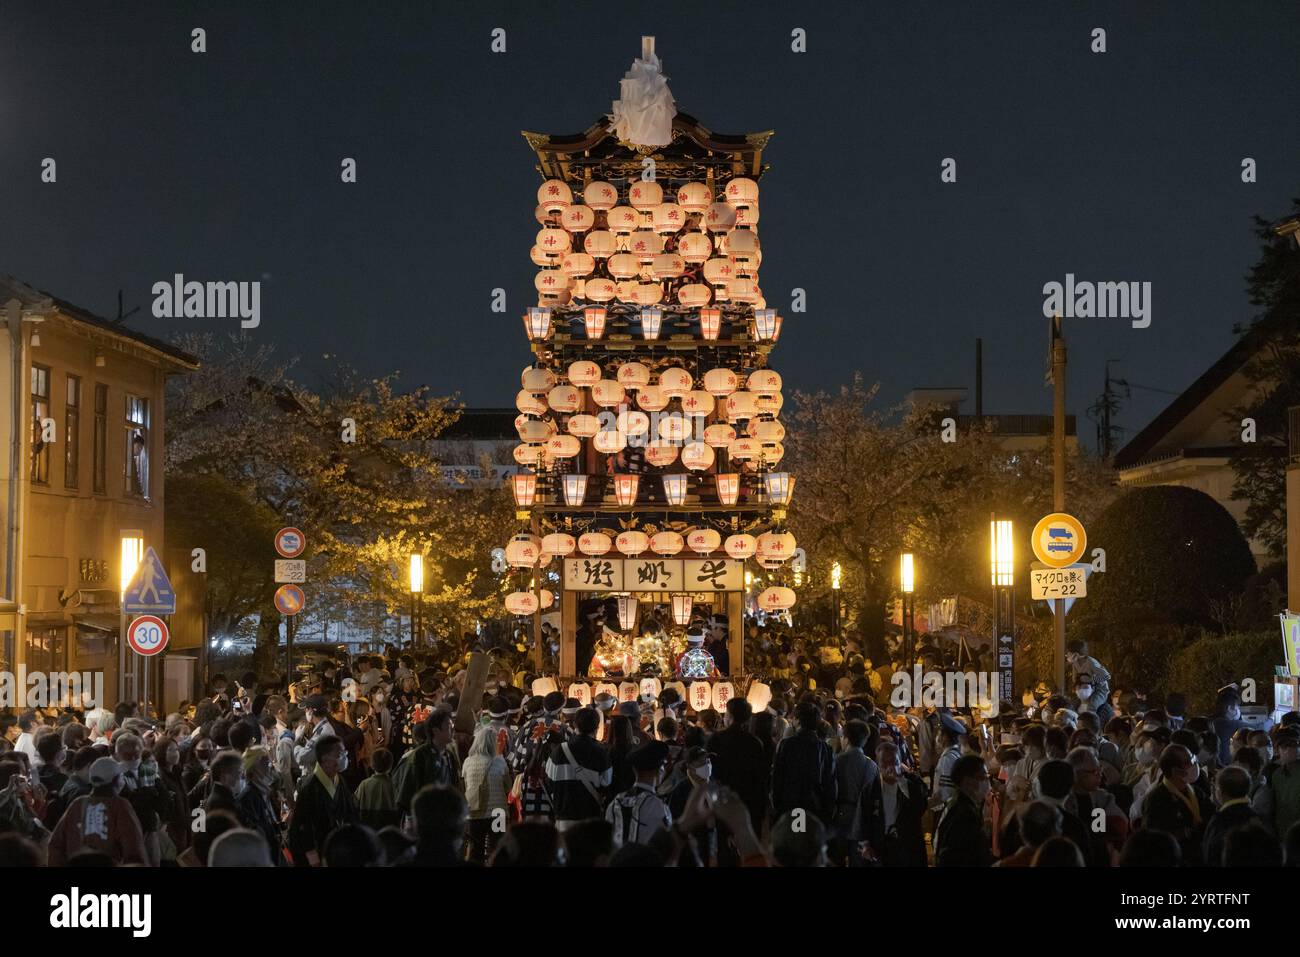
x=225, y=166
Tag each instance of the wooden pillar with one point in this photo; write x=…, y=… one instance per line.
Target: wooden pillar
x=736, y=630
x=568, y=632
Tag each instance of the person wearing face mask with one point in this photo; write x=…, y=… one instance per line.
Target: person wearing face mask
x=639, y=813
x=227, y=782
x=1177, y=808
x=1081, y=664
x=960, y=839
x=101, y=821
x=1278, y=799
x=140, y=787
x=316, y=728
x=1145, y=772
x=254, y=802
x=324, y=804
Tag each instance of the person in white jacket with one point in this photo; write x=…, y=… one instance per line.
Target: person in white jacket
x=486, y=778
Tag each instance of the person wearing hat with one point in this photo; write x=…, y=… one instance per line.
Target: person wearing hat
x=498, y=712
x=951, y=732
x=695, y=661
x=639, y=813
x=314, y=728
x=253, y=802
x=577, y=769
x=102, y=821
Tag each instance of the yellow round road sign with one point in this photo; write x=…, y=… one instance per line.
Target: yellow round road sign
x=1059, y=540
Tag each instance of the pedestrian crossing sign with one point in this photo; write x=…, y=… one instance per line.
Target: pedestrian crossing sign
x=150, y=592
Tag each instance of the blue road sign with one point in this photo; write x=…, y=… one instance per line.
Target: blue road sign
x=150, y=593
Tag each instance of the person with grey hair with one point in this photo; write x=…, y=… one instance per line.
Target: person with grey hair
x=1039, y=822
x=239, y=847
x=1232, y=792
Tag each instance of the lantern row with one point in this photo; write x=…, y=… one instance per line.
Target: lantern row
x=770, y=549
x=763, y=327
x=628, y=490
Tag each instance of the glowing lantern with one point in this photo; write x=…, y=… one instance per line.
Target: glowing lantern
x=632, y=542
x=740, y=546
x=670, y=266
x=554, y=195
x=682, y=609
x=703, y=541
x=723, y=692
x=649, y=688
x=773, y=453
x=720, y=217
x=530, y=403
x=740, y=405
x=767, y=325
x=564, y=398
x=743, y=449
x=553, y=243
x=524, y=486
x=742, y=290
x=536, y=378
x=698, y=402
x=630, y=422
x=627, y=691
x=651, y=319
x=633, y=375
x=528, y=454
x=780, y=487
x=645, y=194
x=623, y=219
x=599, y=290
x=651, y=398
x=563, y=446
x=600, y=195
x=594, y=543
x=769, y=404
x=747, y=216
x=537, y=322
x=625, y=488
x=666, y=543
x=610, y=441
x=742, y=246
x=607, y=393
x=660, y=453
x=580, y=692
x=522, y=603
x=538, y=257
x=543, y=686
x=583, y=426
x=718, y=272
x=719, y=435
x=627, y=612
x=701, y=696
x=776, y=546
x=675, y=488
x=584, y=373
x=672, y=427
x=523, y=551
x=532, y=430
x=600, y=243
x=766, y=430
x=675, y=382
x=694, y=247
x=694, y=198
x=764, y=381
x=624, y=266
x=577, y=265
x=697, y=456
x=728, y=486
x=667, y=218
x=759, y=696
x=575, y=489
x=645, y=245
x=720, y=382
x=776, y=598
x=578, y=219
x=742, y=192
x=606, y=687
x=558, y=544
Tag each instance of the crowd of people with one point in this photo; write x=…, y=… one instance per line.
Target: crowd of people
x=383, y=760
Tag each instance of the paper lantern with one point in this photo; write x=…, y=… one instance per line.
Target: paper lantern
x=710, y=323
x=723, y=692
x=651, y=398
x=694, y=247
x=742, y=191
x=583, y=426
x=563, y=446
x=645, y=246
x=600, y=195
x=666, y=543
x=740, y=405
x=667, y=218
x=554, y=195
x=776, y=546
x=776, y=598
x=599, y=290
x=700, y=696
x=719, y=272
x=526, y=454
x=538, y=257
x=549, y=283
x=607, y=393
x=578, y=219
x=632, y=542
x=675, y=382
x=543, y=686
x=647, y=294
x=672, y=427
x=548, y=598
x=747, y=216
x=606, y=687
x=564, y=398
x=780, y=487
x=522, y=603
x=766, y=431
x=558, y=544
x=697, y=456
x=743, y=449
x=627, y=691
x=627, y=605
x=532, y=430
x=769, y=404
x=577, y=265
x=553, y=243
x=670, y=266
x=719, y=435
x=593, y=321
x=623, y=219
x=584, y=373
x=537, y=379
x=624, y=266
x=742, y=246
x=610, y=441
x=764, y=381
x=600, y=244
x=719, y=217
x=728, y=487
x=594, y=543
x=575, y=489
x=631, y=422
x=675, y=488
x=524, y=486
x=774, y=453
x=742, y=290
x=694, y=197
x=651, y=320
x=740, y=546
x=759, y=696
x=698, y=402
x=580, y=692
x=720, y=382
x=694, y=295
x=633, y=375
x=660, y=453
x=649, y=688
x=541, y=215
x=703, y=541
x=645, y=194
x=625, y=489
x=523, y=551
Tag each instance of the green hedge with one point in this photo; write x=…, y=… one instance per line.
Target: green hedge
x=1213, y=661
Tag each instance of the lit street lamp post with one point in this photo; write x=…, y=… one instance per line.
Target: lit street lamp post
x=907, y=575
x=836, y=572
x=1002, y=561
x=132, y=554
x=417, y=589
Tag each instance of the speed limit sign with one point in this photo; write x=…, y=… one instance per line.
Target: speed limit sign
x=147, y=635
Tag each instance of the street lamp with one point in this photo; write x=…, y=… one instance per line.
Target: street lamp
x=836, y=573
x=132, y=554
x=417, y=587
x=1002, y=569
x=907, y=578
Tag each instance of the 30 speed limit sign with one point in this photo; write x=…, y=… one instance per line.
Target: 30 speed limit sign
x=147, y=635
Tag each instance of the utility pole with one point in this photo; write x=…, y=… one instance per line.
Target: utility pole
x=1058, y=478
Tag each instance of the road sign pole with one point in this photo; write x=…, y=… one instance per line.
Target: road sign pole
x=1058, y=479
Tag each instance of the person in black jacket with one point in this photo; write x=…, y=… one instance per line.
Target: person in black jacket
x=1175, y=807
x=1232, y=787
x=892, y=812
x=324, y=803
x=579, y=772
x=960, y=840
x=254, y=804
x=803, y=775
x=740, y=762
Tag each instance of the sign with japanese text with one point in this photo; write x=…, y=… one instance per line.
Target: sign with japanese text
x=654, y=575
x=1049, y=583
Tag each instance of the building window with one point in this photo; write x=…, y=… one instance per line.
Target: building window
x=137, y=446
x=72, y=432
x=46, y=650
x=101, y=438
x=40, y=412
